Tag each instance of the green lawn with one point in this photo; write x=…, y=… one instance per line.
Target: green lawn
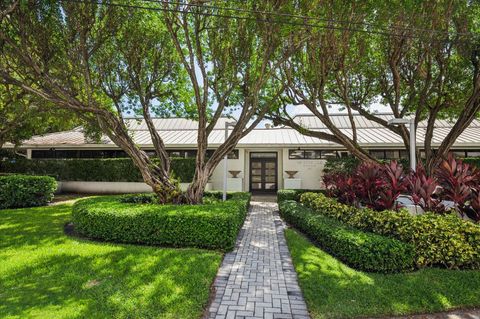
x=45, y=274
x=333, y=290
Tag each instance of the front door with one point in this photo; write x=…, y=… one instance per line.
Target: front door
x=263, y=172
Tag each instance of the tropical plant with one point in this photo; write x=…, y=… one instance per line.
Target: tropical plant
x=341, y=186
x=457, y=180
x=423, y=190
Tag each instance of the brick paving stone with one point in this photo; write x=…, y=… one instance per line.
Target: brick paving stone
x=257, y=279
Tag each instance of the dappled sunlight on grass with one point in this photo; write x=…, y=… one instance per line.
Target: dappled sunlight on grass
x=334, y=290
x=46, y=274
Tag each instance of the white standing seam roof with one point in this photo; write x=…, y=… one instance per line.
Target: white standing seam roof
x=182, y=133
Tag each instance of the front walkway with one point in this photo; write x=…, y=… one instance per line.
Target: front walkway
x=257, y=279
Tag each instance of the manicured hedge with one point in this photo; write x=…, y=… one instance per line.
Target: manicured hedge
x=361, y=250
x=26, y=191
x=293, y=194
x=439, y=240
x=213, y=225
x=98, y=170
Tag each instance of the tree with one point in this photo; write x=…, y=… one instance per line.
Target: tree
x=102, y=60
x=71, y=56
x=231, y=63
x=425, y=66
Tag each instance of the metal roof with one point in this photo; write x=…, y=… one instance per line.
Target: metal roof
x=182, y=133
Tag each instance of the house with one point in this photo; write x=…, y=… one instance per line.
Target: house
x=262, y=158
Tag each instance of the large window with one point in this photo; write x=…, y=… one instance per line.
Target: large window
x=306, y=154
x=383, y=154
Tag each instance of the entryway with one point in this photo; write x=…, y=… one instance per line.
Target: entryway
x=263, y=172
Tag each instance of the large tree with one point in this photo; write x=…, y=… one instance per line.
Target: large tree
x=425, y=66
x=232, y=63
x=100, y=60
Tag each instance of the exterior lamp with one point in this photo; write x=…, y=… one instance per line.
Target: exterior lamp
x=225, y=160
x=400, y=121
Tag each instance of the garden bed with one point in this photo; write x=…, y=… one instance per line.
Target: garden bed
x=135, y=219
x=438, y=240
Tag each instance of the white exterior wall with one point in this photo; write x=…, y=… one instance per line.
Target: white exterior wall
x=310, y=171
x=109, y=187
x=233, y=165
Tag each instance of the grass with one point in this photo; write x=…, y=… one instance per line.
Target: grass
x=45, y=274
x=334, y=290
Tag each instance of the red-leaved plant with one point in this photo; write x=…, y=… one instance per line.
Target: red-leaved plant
x=458, y=181
x=423, y=190
x=341, y=186
x=395, y=182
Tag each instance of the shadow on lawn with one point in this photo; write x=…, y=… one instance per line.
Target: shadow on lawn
x=47, y=274
x=334, y=290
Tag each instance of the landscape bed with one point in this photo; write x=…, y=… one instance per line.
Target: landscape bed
x=134, y=219
x=46, y=274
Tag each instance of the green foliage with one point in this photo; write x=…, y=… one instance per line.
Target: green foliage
x=475, y=161
x=344, y=165
x=293, y=194
x=439, y=240
x=361, y=250
x=26, y=191
x=45, y=273
x=123, y=219
x=99, y=170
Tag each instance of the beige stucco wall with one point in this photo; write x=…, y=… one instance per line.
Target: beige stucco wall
x=233, y=165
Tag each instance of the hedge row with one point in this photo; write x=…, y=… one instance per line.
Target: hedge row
x=475, y=161
x=213, y=225
x=98, y=170
x=360, y=250
x=439, y=240
x=294, y=194
x=26, y=191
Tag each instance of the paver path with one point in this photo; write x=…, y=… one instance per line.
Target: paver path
x=257, y=279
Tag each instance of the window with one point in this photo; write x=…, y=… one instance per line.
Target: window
x=383, y=154
x=473, y=153
x=305, y=154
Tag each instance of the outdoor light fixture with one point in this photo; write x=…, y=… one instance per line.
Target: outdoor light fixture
x=402, y=121
x=225, y=160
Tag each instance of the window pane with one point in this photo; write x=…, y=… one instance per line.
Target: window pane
x=296, y=154
x=377, y=154
x=473, y=153
x=390, y=155
x=313, y=154
x=233, y=154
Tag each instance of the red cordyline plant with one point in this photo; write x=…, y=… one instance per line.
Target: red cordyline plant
x=460, y=184
x=341, y=186
x=395, y=182
x=423, y=190
x=473, y=211
x=369, y=182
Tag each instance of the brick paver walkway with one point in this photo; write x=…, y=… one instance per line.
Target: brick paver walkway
x=257, y=279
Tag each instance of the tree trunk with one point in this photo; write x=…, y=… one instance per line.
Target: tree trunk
x=197, y=186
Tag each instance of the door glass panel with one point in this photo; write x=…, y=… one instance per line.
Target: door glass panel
x=256, y=172
x=270, y=186
x=263, y=155
x=256, y=185
x=256, y=165
x=270, y=172
x=270, y=179
x=256, y=178
x=270, y=165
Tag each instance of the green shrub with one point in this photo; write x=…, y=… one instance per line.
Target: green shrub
x=95, y=170
x=361, y=250
x=26, y=191
x=341, y=164
x=439, y=240
x=294, y=194
x=475, y=161
x=212, y=225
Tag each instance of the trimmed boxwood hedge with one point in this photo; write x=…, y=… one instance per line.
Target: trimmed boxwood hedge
x=361, y=250
x=93, y=170
x=213, y=225
x=26, y=191
x=294, y=194
x=439, y=240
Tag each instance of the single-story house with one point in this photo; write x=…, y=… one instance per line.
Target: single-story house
x=263, y=157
